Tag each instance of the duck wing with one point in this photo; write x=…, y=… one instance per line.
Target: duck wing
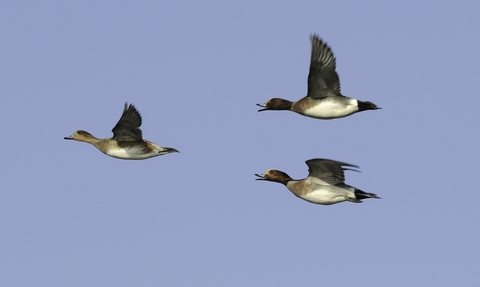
x=127, y=128
x=323, y=80
x=328, y=171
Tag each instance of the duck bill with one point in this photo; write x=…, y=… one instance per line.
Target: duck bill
x=68, y=138
x=264, y=106
x=260, y=176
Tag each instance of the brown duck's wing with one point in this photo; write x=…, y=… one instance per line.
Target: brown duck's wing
x=329, y=171
x=127, y=128
x=323, y=80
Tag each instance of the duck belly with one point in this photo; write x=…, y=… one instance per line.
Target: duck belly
x=129, y=153
x=328, y=195
x=332, y=108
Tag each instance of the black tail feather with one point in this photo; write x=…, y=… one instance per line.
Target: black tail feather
x=364, y=106
x=360, y=194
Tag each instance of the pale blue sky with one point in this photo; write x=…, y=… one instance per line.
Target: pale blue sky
x=71, y=216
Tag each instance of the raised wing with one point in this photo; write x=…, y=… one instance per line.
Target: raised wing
x=323, y=80
x=127, y=128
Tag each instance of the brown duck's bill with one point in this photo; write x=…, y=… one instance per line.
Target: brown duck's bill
x=261, y=176
x=68, y=138
x=264, y=106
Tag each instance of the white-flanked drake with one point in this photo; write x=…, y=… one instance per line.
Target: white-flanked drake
x=323, y=99
x=127, y=141
x=325, y=183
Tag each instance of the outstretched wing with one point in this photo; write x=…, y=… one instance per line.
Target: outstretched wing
x=329, y=171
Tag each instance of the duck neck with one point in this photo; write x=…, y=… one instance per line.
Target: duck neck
x=91, y=140
x=283, y=105
x=285, y=180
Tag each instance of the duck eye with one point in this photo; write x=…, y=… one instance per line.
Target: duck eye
x=270, y=172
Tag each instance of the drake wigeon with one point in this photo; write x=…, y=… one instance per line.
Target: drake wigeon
x=325, y=183
x=323, y=99
x=127, y=141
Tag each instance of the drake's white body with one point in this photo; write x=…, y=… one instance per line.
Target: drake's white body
x=325, y=194
x=331, y=108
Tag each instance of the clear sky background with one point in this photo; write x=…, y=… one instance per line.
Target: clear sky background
x=71, y=216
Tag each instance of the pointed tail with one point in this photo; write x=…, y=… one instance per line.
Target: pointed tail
x=360, y=194
x=364, y=106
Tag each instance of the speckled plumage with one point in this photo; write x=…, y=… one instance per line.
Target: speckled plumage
x=127, y=141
